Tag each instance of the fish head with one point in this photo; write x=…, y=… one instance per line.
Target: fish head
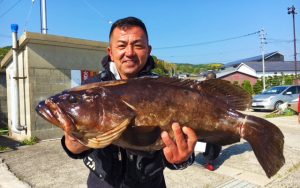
x=94, y=113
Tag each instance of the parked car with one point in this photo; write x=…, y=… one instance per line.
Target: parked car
x=275, y=96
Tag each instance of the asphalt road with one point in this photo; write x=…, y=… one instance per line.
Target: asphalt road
x=46, y=165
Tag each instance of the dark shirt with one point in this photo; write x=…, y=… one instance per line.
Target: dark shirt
x=114, y=166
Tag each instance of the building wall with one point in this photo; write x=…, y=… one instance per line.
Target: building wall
x=240, y=78
x=50, y=73
x=276, y=57
x=260, y=74
x=3, y=100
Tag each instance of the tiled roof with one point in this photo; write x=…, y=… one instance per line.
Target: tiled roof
x=250, y=59
x=274, y=66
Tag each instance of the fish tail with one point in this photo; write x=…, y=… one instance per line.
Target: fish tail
x=266, y=141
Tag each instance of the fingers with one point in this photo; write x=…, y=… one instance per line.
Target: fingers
x=191, y=138
x=179, y=137
x=183, y=147
x=73, y=145
x=170, y=148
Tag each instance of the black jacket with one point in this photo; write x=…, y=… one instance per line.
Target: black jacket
x=113, y=166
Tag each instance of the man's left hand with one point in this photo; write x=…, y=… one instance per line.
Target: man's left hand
x=179, y=151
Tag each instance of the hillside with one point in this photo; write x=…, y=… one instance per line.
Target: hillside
x=3, y=51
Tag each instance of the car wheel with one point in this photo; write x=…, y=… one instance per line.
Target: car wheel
x=277, y=105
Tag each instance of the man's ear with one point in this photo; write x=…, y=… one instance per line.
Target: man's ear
x=150, y=49
x=109, y=53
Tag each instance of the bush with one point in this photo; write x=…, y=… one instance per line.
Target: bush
x=258, y=87
x=247, y=86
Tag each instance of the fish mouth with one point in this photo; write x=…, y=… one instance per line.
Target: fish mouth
x=51, y=112
x=108, y=137
x=43, y=111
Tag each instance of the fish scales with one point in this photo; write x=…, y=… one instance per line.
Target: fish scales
x=133, y=113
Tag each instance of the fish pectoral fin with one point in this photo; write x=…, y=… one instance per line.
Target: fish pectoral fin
x=129, y=105
x=108, y=137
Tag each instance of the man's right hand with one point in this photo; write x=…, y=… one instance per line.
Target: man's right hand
x=73, y=145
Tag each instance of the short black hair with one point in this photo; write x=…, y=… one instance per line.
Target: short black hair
x=210, y=75
x=128, y=22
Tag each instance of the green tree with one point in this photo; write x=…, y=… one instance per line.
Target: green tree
x=247, y=86
x=288, y=80
x=3, y=51
x=258, y=87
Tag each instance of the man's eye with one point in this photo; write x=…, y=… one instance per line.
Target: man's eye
x=121, y=46
x=72, y=99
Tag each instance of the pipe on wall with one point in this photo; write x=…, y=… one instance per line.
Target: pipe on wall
x=14, y=86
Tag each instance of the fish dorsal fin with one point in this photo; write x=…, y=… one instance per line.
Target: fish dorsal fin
x=234, y=96
x=98, y=84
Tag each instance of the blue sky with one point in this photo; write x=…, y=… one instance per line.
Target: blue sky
x=170, y=23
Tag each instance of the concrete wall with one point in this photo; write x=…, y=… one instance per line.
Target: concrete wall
x=3, y=100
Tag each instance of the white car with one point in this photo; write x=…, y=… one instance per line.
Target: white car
x=275, y=96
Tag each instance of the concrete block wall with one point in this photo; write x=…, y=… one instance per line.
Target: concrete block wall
x=3, y=101
x=45, y=83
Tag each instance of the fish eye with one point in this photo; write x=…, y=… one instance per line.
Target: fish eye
x=72, y=99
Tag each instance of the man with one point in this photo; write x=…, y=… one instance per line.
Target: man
x=129, y=57
x=212, y=151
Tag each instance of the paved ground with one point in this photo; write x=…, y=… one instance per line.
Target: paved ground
x=46, y=165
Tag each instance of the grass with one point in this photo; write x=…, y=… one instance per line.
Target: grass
x=3, y=131
x=31, y=141
x=3, y=148
x=286, y=112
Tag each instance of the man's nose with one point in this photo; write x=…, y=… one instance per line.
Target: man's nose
x=130, y=50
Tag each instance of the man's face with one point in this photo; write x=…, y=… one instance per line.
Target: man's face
x=129, y=49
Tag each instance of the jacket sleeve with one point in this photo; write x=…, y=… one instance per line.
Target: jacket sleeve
x=181, y=166
x=72, y=155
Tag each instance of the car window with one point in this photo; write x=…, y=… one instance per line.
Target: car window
x=298, y=87
x=275, y=90
x=293, y=90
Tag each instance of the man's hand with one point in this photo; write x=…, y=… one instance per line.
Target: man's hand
x=180, y=151
x=73, y=145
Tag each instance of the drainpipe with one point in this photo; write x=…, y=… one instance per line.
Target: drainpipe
x=14, y=87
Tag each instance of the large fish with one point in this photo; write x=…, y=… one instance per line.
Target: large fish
x=133, y=113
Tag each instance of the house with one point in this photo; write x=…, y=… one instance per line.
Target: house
x=239, y=73
x=273, y=62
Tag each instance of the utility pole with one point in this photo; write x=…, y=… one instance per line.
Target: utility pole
x=291, y=10
x=43, y=17
x=262, y=47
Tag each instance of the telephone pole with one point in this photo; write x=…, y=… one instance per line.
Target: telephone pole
x=291, y=10
x=262, y=47
x=43, y=17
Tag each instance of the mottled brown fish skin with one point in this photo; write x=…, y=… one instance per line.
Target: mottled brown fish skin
x=133, y=113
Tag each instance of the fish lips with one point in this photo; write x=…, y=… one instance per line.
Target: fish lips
x=43, y=111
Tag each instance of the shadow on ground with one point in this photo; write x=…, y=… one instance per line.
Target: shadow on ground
x=225, y=154
x=7, y=142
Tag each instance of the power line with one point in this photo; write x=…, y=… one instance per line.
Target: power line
x=208, y=42
x=13, y=6
x=96, y=11
x=28, y=16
